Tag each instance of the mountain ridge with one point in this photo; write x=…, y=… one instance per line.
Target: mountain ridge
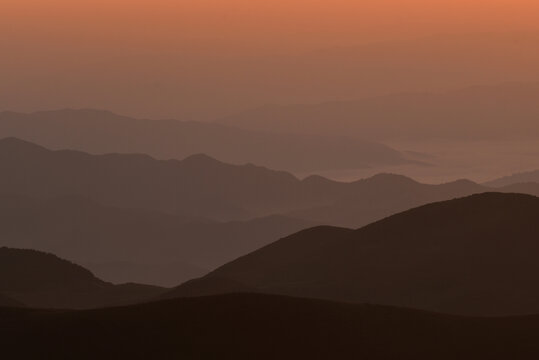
x=469, y=256
x=101, y=132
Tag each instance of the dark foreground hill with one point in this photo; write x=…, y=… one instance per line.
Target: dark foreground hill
x=101, y=132
x=43, y=280
x=129, y=245
x=474, y=255
x=262, y=327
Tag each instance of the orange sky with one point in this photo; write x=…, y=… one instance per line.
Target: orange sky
x=176, y=57
x=297, y=22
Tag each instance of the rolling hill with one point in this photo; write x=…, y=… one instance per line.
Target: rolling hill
x=129, y=245
x=43, y=280
x=262, y=327
x=473, y=255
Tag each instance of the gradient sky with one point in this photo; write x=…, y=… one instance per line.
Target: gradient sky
x=276, y=22
x=205, y=58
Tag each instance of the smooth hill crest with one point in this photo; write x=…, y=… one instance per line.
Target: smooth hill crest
x=43, y=280
x=473, y=255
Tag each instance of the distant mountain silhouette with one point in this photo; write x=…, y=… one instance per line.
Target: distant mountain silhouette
x=128, y=245
x=198, y=185
x=104, y=132
x=524, y=177
x=201, y=187
x=43, y=280
x=263, y=327
x=383, y=195
x=477, y=113
x=473, y=255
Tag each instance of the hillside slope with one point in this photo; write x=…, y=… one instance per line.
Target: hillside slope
x=473, y=255
x=43, y=280
x=129, y=245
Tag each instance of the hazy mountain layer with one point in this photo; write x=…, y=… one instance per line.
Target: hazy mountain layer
x=474, y=113
x=127, y=245
x=104, y=132
x=512, y=180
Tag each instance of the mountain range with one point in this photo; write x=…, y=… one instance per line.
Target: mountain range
x=472, y=255
x=101, y=132
x=129, y=245
x=472, y=113
x=528, y=178
x=200, y=187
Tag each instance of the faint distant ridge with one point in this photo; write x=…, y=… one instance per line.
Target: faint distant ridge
x=126, y=245
x=474, y=255
x=471, y=113
x=43, y=280
x=518, y=178
x=101, y=132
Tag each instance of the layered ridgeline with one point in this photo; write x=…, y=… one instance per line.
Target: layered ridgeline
x=42, y=280
x=528, y=177
x=104, y=132
x=262, y=327
x=474, y=113
x=129, y=245
x=201, y=187
x=473, y=255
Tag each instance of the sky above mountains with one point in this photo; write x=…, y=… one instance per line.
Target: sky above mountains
x=208, y=58
x=279, y=22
